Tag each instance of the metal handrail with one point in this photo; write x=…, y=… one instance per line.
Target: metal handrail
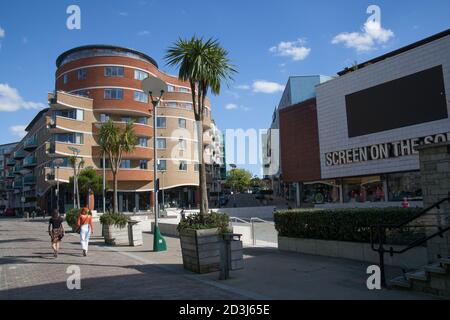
x=261, y=220
x=239, y=220
x=381, y=228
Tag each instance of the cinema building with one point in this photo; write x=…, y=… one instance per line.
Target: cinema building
x=355, y=143
x=94, y=84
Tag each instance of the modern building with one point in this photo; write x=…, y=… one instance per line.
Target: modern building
x=5, y=183
x=297, y=90
x=94, y=84
x=355, y=144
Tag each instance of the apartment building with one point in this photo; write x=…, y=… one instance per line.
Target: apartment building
x=94, y=84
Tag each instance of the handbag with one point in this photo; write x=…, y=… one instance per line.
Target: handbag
x=78, y=230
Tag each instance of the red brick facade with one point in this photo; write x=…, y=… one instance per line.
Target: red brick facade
x=299, y=142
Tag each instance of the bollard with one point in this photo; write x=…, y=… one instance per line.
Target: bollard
x=225, y=254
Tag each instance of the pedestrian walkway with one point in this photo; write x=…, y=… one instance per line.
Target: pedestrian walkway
x=28, y=270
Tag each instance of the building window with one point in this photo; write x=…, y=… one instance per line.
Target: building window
x=125, y=164
x=83, y=93
x=66, y=78
x=185, y=90
x=182, y=144
x=404, y=185
x=182, y=166
x=114, y=71
x=125, y=119
x=75, y=114
x=143, y=142
x=75, y=138
x=140, y=75
x=104, y=117
x=142, y=120
x=140, y=97
x=171, y=104
x=161, y=143
x=182, y=123
x=188, y=106
x=161, y=122
x=162, y=165
x=107, y=164
x=143, y=164
x=170, y=88
x=82, y=74
x=113, y=94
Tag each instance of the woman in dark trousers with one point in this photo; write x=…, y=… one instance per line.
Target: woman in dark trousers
x=56, y=231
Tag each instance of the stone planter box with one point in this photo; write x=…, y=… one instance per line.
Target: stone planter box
x=353, y=251
x=201, y=250
x=116, y=236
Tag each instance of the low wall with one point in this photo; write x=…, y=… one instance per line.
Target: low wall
x=412, y=204
x=250, y=212
x=354, y=251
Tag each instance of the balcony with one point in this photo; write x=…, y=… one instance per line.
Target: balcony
x=18, y=184
x=30, y=144
x=9, y=187
x=139, y=153
x=10, y=175
x=19, y=155
x=29, y=162
x=11, y=162
x=129, y=175
x=61, y=124
x=141, y=130
x=64, y=175
x=29, y=180
x=17, y=169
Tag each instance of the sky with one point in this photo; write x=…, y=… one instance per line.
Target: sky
x=267, y=41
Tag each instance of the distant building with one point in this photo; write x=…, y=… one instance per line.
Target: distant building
x=5, y=185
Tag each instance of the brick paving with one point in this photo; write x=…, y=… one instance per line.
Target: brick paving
x=28, y=270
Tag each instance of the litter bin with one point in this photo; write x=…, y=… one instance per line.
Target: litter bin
x=231, y=255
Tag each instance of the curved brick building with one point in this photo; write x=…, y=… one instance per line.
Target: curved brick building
x=94, y=84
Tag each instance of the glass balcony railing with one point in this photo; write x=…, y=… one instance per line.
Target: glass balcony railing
x=18, y=168
x=29, y=180
x=18, y=184
x=18, y=155
x=9, y=186
x=29, y=161
x=30, y=144
x=11, y=162
x=10, y=175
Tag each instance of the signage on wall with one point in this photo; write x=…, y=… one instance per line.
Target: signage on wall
x=382, y=151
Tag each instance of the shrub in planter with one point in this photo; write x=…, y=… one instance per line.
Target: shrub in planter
x=115, y=228
x=201, y=241
x=344, y=224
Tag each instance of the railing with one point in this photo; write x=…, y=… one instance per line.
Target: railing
x=381, y=235
x=250, y=222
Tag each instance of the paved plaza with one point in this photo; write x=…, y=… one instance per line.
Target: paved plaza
x=28, y=270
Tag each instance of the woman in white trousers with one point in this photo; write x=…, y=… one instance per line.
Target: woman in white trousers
x=86, y=229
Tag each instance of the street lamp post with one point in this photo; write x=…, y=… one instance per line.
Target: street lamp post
x=155, y=85
x=104, y=183
x=58, y=163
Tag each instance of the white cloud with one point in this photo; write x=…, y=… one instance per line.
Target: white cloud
x=144, y=33
x=293, y=49
x=2, y=32
x=18, y=131
x=372, y=34
x=243, y=87
x=231, y=106
x=267, y=87
x=10, y=100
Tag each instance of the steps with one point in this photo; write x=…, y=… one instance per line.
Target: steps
x=433, y=278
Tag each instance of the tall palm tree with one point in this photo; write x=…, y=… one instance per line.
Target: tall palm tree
x=116, y=141
x=205, y=65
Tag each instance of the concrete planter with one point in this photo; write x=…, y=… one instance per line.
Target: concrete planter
x=352, y=250
x=201, y=250
x=116, y=236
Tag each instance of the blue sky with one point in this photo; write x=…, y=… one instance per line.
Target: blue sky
x=267, y=40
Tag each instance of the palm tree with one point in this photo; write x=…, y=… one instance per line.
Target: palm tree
x=115, y=141
x=205, y=65
x=89, y=182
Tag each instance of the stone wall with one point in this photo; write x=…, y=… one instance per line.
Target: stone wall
x=435, y=175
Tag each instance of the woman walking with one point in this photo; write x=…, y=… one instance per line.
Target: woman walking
x=56, y=231
x=84, y=223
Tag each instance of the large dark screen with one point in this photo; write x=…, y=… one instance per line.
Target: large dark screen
x=407, y=101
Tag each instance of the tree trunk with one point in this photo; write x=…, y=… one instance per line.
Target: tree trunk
x=202, y=171
x=116, y=202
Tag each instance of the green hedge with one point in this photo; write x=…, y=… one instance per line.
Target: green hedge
x=340, y=224
x=208, y=221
